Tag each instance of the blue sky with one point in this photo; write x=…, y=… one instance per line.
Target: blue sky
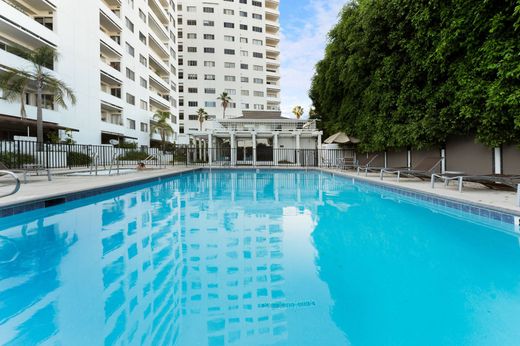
x=304, y=28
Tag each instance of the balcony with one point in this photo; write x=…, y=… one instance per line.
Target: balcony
x=109, y=19
x=19, y=27
x=272, y=4
x=109, y=70
x=157, y=46
x=159, y=29
x=158, y=66
x=159, y=11
x=110, y=47
x=157, y=101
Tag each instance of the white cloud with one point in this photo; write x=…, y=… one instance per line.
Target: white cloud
x=303, y=43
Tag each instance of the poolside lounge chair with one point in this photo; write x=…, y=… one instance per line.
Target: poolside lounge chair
x=422, y=170
x=364, y=164
x=493, y=181
x=26, y=169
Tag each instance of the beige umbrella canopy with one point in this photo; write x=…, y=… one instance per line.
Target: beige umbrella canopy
x=341, y=138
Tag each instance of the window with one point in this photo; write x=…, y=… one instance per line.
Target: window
x=244, y=92
x=230, y=12
x=131, y=124
x=210, y=104
x=191, y=9
x=259, y=107
x=130, y=74
x=192, y=90
x=244, y=79
x=229, y=65
x=142, y=37
x=143, y=82
x=129, y=49
x=258, y=42
x=229, y=51
x=231, y=91
x=208, y=23
x=243, y=1
x=258, y=93
x=244, y=66
x=243, y=27
x=191, y=22
x=210, y=90
x=244, y=53
x=229, y=25
x=130, y=99
x=243, y=14
x=243, y=40
x=192, y=76
x=258, y=81
x=142, y=15
x=143, y=60
x=245, y=105
x=257, y=29
x=209, y=77
x=209, y=36
x=192, y=49
x=193, y=104
x=229, y=38
x=230, y=78
x=209, y=64
x=143, y=104
x=208, y=10
x=258, y=55
x=258, y=68
x=129, y=24
x=192, y=62
x=191, y=36
x=257, y=16
x=144, y=127
x=209, y=50
x=257, y=3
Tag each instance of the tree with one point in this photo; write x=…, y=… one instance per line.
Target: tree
x=202, y=116
x=16, y=82
x=161, y=124
x=298, y=111
x=312, y=113
x=225, y=101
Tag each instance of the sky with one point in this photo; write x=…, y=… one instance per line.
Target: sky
x=304, y=28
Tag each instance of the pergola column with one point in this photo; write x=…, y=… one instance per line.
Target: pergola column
x=254, y=148
x=210, y=148
x=233, y=145
x=298, y=149
x=319, y=149
x=275, y=149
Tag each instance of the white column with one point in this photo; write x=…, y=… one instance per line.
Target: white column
x=210, y=148
x=386, y=160
x=498, y=160
x=254, y=148
x=205, y=151
x=298, y=149
x=233, y=156
x=409, y=158
x=319, y=150
x=443, y=162
x=200, y=148
x=275, y=149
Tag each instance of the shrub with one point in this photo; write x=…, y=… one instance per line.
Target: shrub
x=134, y=155
x=78, y=159
x=15, y=160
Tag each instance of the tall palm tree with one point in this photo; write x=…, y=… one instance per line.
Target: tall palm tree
x=201, y=113
x=160, y=123
x=16, y=82
x=225, y=101
x=298, y=111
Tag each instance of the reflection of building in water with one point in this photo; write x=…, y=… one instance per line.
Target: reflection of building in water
x=197, y=255
x=233, y=257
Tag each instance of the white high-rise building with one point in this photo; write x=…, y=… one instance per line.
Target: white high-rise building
x=119, y=57
x=227, y=46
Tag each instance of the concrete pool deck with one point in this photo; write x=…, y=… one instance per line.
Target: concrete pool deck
x=38, y=188
x=471, y=193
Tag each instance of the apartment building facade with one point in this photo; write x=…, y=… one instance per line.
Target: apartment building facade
x=119, y=57
x=227, y=46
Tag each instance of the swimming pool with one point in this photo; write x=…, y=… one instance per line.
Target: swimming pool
x=257, y=258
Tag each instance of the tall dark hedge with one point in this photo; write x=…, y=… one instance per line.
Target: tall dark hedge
x=410, y=73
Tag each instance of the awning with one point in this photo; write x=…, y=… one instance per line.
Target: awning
x=341, y=138
x=12, y=123
x=115, y=134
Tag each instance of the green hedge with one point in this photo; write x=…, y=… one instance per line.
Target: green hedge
x=78, y=159
x=14, y=160
x=134, y=155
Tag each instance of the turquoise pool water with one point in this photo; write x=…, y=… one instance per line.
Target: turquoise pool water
x=247, y=258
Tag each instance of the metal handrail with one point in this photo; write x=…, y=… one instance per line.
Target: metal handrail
x=17, y=180
x=115, y=158
x=94, y=162
x=157, y=157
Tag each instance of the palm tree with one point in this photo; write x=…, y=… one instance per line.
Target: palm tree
x=160, y=124
x=225, y=100
x=16, y=82
x=298, y=111
x=202, y=116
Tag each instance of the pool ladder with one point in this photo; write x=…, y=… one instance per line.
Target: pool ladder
x=115, y=158
x=94, y=163
x=17, y=183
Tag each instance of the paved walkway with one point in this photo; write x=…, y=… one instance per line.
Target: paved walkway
x=474, y=193
x=38, y=187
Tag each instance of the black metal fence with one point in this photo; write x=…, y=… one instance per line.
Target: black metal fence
x=20, y=154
